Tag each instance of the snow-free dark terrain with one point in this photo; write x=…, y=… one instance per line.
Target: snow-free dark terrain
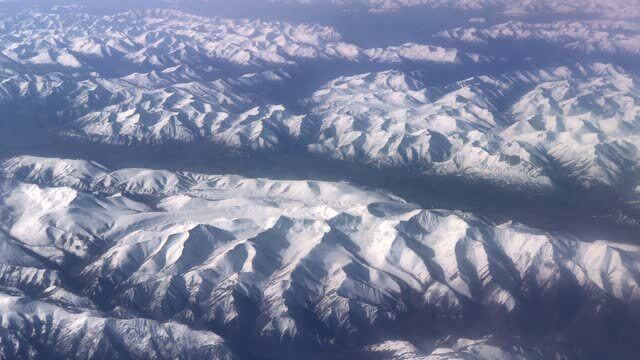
x=295, y=179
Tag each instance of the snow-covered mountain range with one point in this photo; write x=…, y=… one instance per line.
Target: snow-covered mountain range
x=151, y=39
x=174, y=185
x=611, y=8
x=604, y=36
x=314, y=259
x=577, y=123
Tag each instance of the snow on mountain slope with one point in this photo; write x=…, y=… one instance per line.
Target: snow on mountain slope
x=583, y=124
x=576, y=124
x=160, y=39
x=619, y=9
x=535, y=127
x=481, y=349
x=592, y=125
x=392, y=117
x=157, y=38
x=595, y=36
x=312, y=259
x=39, y=329
x=152, y=262
x=53, y=171
x=150, y=107
x=413, y=52
x=610, y=8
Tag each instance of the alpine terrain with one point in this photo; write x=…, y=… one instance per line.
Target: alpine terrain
x=320, y=179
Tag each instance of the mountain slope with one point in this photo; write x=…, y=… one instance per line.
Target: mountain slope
x=300, y=261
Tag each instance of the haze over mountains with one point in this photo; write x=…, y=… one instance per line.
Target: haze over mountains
x=428, y=180
x=613, y=8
